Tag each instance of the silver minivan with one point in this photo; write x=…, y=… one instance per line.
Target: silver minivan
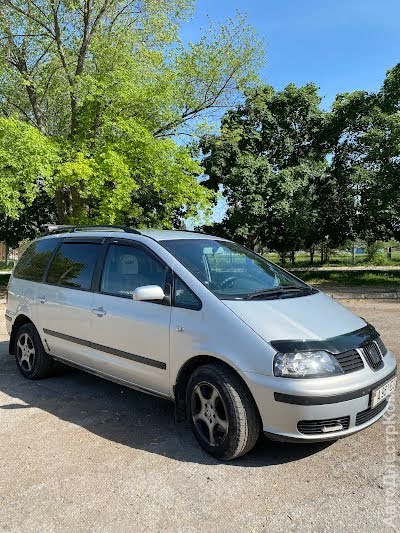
x=239, y=344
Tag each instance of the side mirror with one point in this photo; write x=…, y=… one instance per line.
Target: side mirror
x=148, y=292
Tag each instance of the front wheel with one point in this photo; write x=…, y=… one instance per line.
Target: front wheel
x=222, y=412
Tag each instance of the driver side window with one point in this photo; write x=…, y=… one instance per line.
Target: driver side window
x=129, y=267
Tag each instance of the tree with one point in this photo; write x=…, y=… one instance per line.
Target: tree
x=269, y=159
x=103, y=86
x=30, y=219
x=366, y=154
x=294, y=175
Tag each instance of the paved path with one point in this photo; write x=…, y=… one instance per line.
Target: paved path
x=82, y=454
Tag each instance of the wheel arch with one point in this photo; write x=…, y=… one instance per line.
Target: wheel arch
x=21, y=320
x=183, y=376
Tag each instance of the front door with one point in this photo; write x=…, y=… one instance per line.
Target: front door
x=130, y=339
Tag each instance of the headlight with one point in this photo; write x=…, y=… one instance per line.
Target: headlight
x=306, y=365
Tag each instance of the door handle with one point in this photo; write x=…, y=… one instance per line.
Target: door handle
x=100, y=311
x=42, y=299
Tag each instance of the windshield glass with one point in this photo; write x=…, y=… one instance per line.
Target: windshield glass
x=231, y=271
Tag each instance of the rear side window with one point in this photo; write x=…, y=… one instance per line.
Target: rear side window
x=35, y=259
x=74, y=264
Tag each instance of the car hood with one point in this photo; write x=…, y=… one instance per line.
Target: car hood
x=316, y=317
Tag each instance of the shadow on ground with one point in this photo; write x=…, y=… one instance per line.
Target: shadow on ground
x=126, y=416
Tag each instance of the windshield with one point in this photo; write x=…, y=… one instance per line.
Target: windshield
x=231, y=271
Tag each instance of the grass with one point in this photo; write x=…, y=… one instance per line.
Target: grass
x=384, y=280
x=3, y=265
x=338, y=259
x=371, y=280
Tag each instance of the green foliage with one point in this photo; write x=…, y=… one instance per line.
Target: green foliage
x=375, y=253
x=31, y=218
x=294, y=175
x=96, y=91
x=27, y=158
x=269, y=159
x=366, y=154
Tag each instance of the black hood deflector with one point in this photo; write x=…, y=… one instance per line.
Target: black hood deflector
x=334, y=345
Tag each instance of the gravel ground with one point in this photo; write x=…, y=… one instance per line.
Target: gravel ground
x=81, y=454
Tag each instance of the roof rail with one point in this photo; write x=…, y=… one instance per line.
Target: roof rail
x=191, y=231
x=61, y=228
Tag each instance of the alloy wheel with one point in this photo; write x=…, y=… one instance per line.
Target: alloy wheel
x=209, y=413
x=25, y=352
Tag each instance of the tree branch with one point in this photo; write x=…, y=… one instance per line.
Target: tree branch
x=38, y=9
x=207, y=103
x=23, y=112
x=20, y=65
x=24, y=35
x=121, y=11
x=28, y=15
x=71, y=81
x=45, y=52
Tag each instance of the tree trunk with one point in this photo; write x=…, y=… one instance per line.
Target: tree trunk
x=62, y=215
x=312, y=252
x=33, y=98
x=283, y=257
x=353, y=254
x=292, y=256
x=22, y=68
x=76, y=205
x=390, y=252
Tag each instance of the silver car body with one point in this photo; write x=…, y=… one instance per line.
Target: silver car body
x=148, y=344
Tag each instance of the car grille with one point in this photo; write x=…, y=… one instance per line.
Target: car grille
x=369, y=414
x=373, y=355
x=315, y=427
x=350, y=361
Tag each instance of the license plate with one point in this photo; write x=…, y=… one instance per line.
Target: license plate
x=378, y=395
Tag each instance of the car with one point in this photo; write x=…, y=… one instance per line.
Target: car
x=239, y=344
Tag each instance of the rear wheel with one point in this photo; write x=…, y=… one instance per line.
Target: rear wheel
x=222, y=412
x=32, y=361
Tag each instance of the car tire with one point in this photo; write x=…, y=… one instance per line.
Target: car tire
x=222, y=411
x=32, y=360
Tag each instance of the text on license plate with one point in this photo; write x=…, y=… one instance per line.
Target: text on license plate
x=378, y=395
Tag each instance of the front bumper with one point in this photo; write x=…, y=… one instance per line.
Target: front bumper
x=291, y=409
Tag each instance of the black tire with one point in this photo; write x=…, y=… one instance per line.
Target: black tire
x=234, y=422
x=33, y=362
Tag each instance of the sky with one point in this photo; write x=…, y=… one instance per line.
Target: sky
x=339, y=45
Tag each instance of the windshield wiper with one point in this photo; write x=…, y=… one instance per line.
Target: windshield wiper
x=278, y=291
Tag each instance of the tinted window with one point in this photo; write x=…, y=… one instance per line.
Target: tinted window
x=128, y=267
x=184, y=297
x=230, y=270
x=35, y=259
x=74, y=264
